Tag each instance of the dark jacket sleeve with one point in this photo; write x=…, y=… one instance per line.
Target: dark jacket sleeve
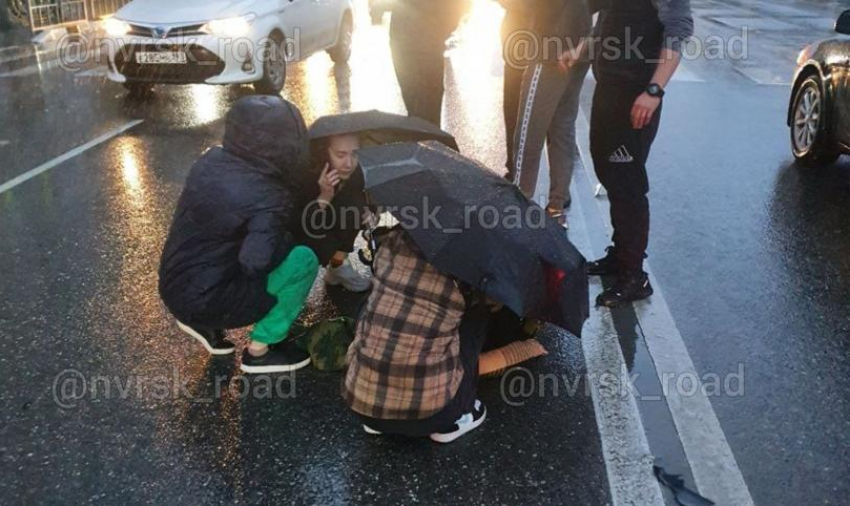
x=266, y=245
x=678, y=22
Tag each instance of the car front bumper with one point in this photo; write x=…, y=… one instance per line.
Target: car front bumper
x=209, y=59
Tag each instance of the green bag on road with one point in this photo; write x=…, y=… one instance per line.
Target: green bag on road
x=327, y=343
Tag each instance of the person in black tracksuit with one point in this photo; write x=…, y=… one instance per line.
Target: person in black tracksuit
x=624, y=121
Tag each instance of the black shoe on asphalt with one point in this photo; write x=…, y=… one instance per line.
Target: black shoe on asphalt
x=285, y=356
x=628, y=288
x=214, y=341
x=606, y=265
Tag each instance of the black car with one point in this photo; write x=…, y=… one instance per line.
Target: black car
x=819, y=112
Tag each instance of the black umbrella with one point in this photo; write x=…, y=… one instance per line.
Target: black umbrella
x=376, y=127
x=478, y=227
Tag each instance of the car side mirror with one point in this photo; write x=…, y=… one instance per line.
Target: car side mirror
x=843, y=23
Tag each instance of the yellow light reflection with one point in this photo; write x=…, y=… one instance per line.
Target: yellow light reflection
x=131, y=156
x=207, y=103
x=319, y=93
x=474, y=83
x=372, y=83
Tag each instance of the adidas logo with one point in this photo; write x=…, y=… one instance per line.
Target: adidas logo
x=622, y=155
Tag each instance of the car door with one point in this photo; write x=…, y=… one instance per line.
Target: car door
x=301, y=27
x=328, y=14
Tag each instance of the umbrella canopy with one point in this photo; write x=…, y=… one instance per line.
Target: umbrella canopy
x=376, y=127
x=476, y=226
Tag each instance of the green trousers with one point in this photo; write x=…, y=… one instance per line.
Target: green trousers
x=290, y=284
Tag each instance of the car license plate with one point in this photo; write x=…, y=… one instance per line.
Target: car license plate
x=166, y=58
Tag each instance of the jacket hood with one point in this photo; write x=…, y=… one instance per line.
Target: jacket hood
x=270, y=133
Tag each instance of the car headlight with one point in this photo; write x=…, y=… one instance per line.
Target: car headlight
x=116, y=27
x=230, y=27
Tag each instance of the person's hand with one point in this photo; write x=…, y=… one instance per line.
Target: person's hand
x=571, y=57
x=328, y=180
x=643, y=110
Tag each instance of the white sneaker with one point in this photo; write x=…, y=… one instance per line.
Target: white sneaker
x=348, y=277
x=464, y=424
x=370, y=431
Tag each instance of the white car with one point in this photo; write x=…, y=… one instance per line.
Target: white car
x=222, y=41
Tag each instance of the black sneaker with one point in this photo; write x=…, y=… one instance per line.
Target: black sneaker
x=605, y=265
x=628, y=288
x=284, y=356
x=464, y=424
x=214, y=341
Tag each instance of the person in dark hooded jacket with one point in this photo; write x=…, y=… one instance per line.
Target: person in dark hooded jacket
x=230, y=259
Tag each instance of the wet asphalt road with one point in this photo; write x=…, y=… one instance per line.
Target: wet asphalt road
x=751, y=251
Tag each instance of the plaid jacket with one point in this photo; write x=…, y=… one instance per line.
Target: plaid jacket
x=404, y=362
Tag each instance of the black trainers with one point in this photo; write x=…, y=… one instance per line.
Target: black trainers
x=213, y=340
x=464, y=424
x=605, y=265
x=628, y=288
x=284, y=356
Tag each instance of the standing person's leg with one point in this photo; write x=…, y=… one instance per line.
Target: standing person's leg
x=514, y=20
x=542, y=87
x=290, y=284
x=619, y=156
x=418, y=42
x=561, y=141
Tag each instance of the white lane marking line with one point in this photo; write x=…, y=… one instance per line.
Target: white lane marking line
x=4, y=143
x=101, y=71
x=712, y=462
x=763, y=76
x=684, y=74
x=32, y=69
x=628, y=459
x=67, y=156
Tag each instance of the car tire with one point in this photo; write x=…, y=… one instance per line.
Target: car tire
x=810, y=139
x=274, y=66
x=341, y=52
x=139, y=90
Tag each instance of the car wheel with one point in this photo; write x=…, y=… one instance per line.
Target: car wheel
x=342, y=51
x=810, y=140
x=139, y=90
x=274, y=66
